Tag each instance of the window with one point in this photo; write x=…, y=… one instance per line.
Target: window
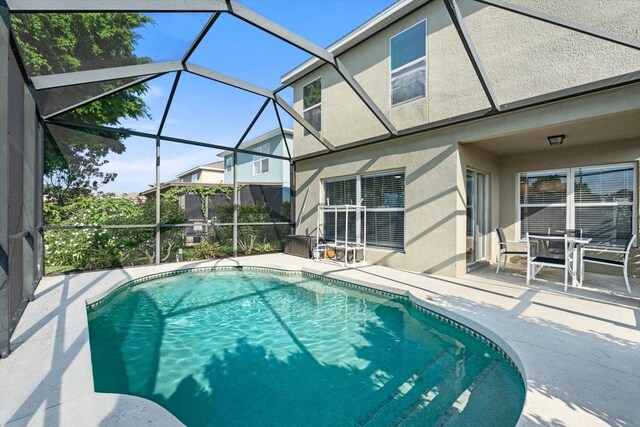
x=194, y=177
x=604, y=201
x=409, y=64
x=228, y=163
x=383, y=196
x=311, y=105
x=543, y=201
x=261, y=163
x=600, y=200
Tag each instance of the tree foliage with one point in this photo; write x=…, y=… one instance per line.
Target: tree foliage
x=91, y=248
x=61, y=43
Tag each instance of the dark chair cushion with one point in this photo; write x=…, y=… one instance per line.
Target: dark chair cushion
x=549, y=260
x=604, y=261
x=513, y=253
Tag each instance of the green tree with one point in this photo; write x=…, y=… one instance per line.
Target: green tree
x=61, y=43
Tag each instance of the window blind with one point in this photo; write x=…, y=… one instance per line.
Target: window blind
x=612, y=184
x=383, y=196
x=538, y=219
x=341, y=192
x=602, y=206
x=604, y=198
x=409, y=45
x=383, y=191
x=385, y=228
x=543, y=187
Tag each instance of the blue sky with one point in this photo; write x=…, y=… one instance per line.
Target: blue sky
x=210, y=112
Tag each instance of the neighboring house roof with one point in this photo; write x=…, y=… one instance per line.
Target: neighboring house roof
x=258, y=139
x=393, y=13
x=219, y=167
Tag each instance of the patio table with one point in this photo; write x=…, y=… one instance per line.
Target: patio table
x=580, y=243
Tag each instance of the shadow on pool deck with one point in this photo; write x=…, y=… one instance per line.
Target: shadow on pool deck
x=581, y=347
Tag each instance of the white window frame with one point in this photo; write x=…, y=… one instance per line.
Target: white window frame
x=194, y=177
x=319, y=104
x=571, y=204
x=359, y=199
x=258, y=159
x=228, y=163
x=410, y=64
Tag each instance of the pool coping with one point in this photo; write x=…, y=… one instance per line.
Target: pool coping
x=565, y=383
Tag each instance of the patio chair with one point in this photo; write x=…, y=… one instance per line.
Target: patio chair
x=539, y=256
x=624, y=263
x=504, y=250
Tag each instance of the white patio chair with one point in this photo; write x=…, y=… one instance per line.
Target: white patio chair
x=504, y=250
x=624, y=263
x=538, y=257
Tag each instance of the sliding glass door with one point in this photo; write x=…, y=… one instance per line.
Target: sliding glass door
x=476, y=216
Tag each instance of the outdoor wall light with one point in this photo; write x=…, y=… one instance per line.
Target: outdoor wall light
x=555, y=139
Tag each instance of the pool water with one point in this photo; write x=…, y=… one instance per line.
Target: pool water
x=254, y=348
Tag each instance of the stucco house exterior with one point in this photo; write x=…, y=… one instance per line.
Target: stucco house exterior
x=210, y=173
x=501, y=120
x=256, y=169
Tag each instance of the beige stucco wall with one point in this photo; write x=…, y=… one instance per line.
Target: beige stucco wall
x=435, y=165
x=523, y=58
x=211, y=177
x=431, y=197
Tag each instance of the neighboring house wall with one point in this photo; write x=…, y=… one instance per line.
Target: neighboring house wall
x=278, y=169
x=211, y=177
x=204, y=176
x=522, y=57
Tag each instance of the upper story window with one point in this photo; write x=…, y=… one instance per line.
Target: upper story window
x=409, y=64
x=261, y=163
x=228, y=163
x=194, y=177
x=311, y=104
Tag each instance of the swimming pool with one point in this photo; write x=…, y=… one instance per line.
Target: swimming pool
x=240, y=347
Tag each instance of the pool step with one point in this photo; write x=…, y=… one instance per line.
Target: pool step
x=397, y=402
x=429, y=407
x=460, y=403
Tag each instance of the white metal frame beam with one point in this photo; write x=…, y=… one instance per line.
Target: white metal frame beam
x=467, y=42
x=48, y=6
x=227, y=80
x=103, y=74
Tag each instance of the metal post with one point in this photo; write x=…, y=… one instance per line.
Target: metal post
x=5, y=315
x=292, y=195
x=29, y=174
x=158, y=241
x=39, y=202
x=235, y=203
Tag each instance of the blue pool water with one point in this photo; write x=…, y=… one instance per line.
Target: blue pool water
x=254, y=348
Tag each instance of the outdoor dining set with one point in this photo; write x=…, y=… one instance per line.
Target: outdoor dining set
x=566, y=249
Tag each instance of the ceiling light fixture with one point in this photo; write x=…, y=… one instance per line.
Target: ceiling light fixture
x=555, y=139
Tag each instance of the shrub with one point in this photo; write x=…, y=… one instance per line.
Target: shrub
x=205, y=250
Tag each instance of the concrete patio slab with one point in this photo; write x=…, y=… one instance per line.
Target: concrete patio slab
x=578, y=351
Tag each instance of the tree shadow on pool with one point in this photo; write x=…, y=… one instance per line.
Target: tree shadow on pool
x=250, y=385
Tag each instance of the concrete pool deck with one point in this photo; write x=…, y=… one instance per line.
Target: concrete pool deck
x=579, y=351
